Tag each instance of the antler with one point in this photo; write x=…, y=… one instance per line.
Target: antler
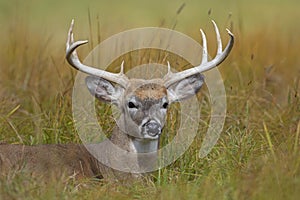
x=171, y=78
x=72, y=58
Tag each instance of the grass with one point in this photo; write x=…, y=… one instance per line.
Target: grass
x=257, y=155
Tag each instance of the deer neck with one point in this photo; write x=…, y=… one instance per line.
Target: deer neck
x=144, y=145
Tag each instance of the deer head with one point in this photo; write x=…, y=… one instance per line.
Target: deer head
x=144, y=103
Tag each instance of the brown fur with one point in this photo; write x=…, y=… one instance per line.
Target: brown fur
x=49, y=160
x=151, y=90
x=59, y=160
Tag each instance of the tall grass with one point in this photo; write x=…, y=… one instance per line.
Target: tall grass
x=257, y=156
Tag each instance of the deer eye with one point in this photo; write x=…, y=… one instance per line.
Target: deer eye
x=132, y=105
x=165, y=105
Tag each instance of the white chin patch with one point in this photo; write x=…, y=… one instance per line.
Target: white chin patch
x=146, y=136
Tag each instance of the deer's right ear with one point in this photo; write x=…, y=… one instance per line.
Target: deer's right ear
x=104, y=90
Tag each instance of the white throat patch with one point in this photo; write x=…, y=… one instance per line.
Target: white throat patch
x=144, y=146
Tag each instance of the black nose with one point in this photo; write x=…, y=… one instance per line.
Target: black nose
x=153, y=128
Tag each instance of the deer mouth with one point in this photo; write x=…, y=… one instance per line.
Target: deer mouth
x=146, y=136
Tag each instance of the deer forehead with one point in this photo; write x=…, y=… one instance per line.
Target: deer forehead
x=150, y=91
x=145, y=89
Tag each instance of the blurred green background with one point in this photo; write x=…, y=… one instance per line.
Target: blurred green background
x=266, y=31
x=52, y=17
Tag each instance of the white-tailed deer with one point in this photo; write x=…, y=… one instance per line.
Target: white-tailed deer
x=143, y=105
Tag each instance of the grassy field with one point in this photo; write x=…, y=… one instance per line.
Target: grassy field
x=258, y=153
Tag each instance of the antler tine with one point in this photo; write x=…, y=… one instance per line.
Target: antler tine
x=205, y=65
x=219, y=41
x=169, y=69
x=122, y=68
x=204, y=44
x=72, y=58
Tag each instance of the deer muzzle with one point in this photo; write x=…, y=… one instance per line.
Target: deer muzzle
x=152, y=128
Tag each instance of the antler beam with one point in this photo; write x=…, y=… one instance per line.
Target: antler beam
x=72, y=58
x=171, y=78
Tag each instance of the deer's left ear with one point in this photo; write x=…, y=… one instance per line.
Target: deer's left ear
x=104, y=90
x=185, y=88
